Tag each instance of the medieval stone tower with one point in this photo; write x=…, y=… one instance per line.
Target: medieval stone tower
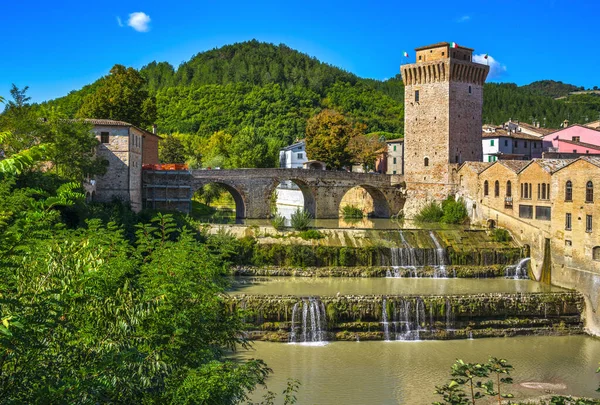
x=443, y=100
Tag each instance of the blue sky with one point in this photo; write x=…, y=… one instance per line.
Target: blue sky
x=55, y=47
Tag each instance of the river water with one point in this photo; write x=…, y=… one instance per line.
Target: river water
x=407, y=372
x=328, y=286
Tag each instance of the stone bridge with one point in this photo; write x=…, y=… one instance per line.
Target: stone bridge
x=252, y=189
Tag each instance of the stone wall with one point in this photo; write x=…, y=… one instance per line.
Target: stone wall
x=115, y=183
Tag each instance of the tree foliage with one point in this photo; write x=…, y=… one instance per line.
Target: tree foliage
x=121, y=96
x=328, y=135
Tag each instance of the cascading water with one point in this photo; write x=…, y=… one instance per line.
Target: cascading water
x=517, y=271
x=405, y=318
x=309, y=321
x=408, y=259
x=441, y=257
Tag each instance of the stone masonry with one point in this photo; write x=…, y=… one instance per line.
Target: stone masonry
x=442, y=113
x=252, y=189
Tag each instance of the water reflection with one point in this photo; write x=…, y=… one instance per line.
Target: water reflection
x=406, y=373
x=328, y=286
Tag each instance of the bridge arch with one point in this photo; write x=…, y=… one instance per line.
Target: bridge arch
x=239, y=196
x=286, y=191
x=380, y=205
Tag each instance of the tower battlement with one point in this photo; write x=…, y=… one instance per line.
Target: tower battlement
x=443, y=103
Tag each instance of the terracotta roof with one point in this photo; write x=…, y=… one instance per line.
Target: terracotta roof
x=502, y=133
x=440, y=44
x=477, y=167
x=542, y=131
x=114, y=123
x=552, y=165
x=595, y=160
x=584, y=144
x=514, y=165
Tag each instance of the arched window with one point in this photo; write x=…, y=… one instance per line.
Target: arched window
x=569, y=191
x=508, y=189
x=589, y=192
x=497, y=189
x=543, y=191
x=426, y=161
x=486, y=188
x=596, y=253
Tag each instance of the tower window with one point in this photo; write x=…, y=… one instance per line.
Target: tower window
x=508, y=189
x=470, y=91
x=486, y=189
x=568, y=221
x=426, y=161
x=569, y=191
x=104, y=137
x=589, y=192
x=419, y=57
x=497, y=189
x=588, y=223
x=596, y=253
x=416, y=96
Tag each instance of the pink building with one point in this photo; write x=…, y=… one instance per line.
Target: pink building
x=573, y=139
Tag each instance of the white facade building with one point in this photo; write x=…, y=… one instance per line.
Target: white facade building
x=289, y=196
x=503, y=143
x=293, y=156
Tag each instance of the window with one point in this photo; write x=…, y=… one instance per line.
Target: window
x=568, y=221
x=394, y=172
x=589, y=192
x=492, y=142
x=568, y=242
x=516, y=144
x=576, y=139
x=526, y=193
x=486, y=188
x=394, y=148
x=506, y=142
x=569, y=191
x=525, y=143
x=299, y=155
x=443, y=53
x=574, y=150
x=497, y=189
x=470, y=91
x=596, y=253
x=420, y=57
x=588, y=223
x=394, y=160
x=508, y=189
x=525, y=211
x=544, y=196
x=542, y=213
x=416, y=96
x=104, y=137
x=426, y=161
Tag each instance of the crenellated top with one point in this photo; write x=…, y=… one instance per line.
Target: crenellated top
x=444, y=71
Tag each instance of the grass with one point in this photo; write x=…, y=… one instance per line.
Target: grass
x=351, y=211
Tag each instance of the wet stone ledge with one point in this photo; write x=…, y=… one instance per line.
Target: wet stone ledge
x=372, y=317
x=451, y=271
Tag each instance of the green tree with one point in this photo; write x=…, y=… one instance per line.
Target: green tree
x=171, y=150
x=366, y=149
x=500, y=367
x=21, y=122
x=248, y=150
x=121, y=96
x=470, y=374
x=327, y=137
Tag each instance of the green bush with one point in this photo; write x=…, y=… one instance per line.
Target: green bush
x=311, y=234
x=432, y=212
x=347, y=257
x=450, y=212
x=350, y=211
x=501, y=235
x=278, y=222
x=455, y=211
x=300, y=220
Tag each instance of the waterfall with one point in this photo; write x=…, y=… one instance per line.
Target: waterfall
x=384, y=321
x=517, y=271
x=449, y=315
x=440, y=269
x=404, y=256
x=309, y=321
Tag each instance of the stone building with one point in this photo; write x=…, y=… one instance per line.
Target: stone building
x=126, y=148
x=442, y=120
x=503, y=143
x=550, y=205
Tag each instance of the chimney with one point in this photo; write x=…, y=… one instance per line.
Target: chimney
x=537, y=124
x=565, y=123
x=154, y=129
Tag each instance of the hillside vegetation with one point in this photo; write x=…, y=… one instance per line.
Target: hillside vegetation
x=272, y=91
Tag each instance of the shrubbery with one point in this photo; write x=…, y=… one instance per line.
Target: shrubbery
x=350, y=211
x=300, y=220
x=311, y=234
x=278, y=222
x=501, y=235
x=450, y=212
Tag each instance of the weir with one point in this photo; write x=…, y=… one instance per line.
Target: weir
x=372, y=317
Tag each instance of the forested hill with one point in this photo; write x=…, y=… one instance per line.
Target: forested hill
x=274, y=89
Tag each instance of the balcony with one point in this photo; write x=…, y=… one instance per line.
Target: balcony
x=508, y=202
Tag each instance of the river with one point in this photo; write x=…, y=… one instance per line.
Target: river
x=407, y=372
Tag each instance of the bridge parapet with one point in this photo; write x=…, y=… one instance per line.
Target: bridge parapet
x=251, y=189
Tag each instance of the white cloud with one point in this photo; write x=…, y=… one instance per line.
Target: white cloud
x=139, y=21
x=119, y=22
x=497, y=69
x=464, y=18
